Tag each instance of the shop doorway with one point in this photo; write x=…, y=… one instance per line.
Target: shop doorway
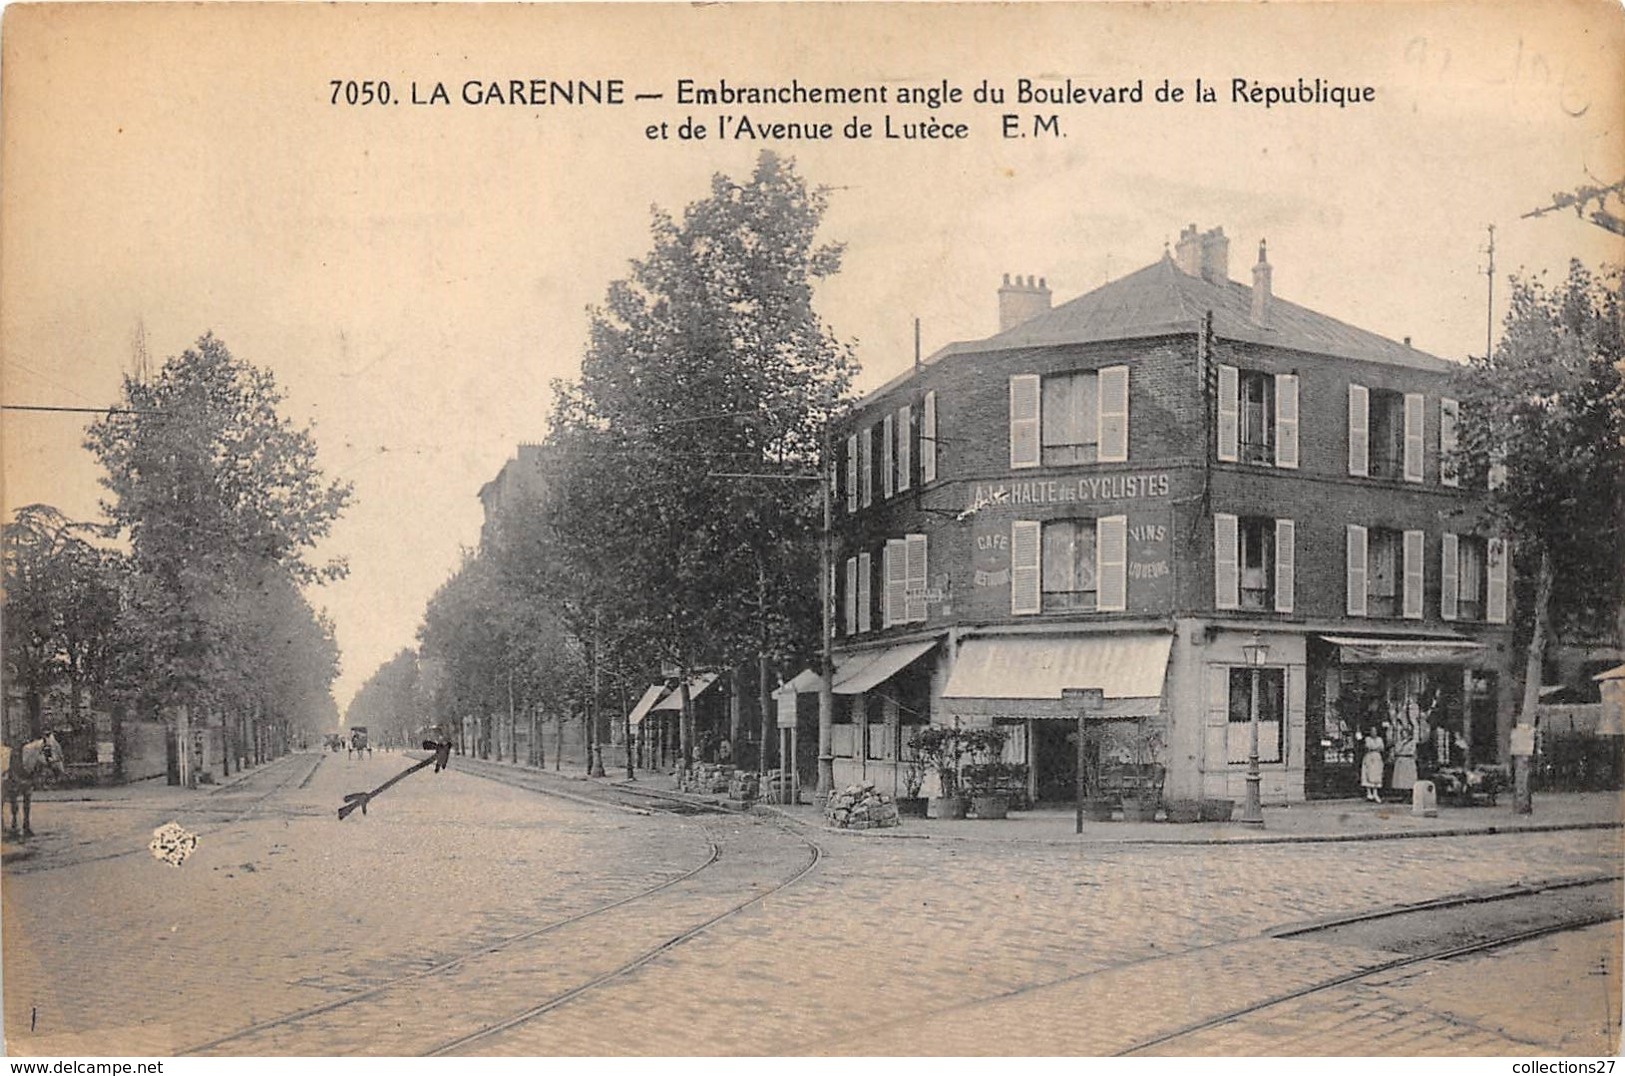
x=1055, y=760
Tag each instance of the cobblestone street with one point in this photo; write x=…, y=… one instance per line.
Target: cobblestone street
x=465, y=915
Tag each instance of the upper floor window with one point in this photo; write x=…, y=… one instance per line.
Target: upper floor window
x=1385, y=575
x=904, y=565
x=1449, y=441
x=866, y=464
x=1385, y=433
x=852, y=473
x=1258, y=417
x=905, y=444
x=1472, y=579
x=1254, y=563
x=1069, y=564
x=1071, y=418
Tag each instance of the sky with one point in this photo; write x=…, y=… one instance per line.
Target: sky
x=416, y=276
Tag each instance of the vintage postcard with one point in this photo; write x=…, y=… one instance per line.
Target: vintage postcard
x=1062, y=529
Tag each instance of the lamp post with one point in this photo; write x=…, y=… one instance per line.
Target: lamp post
x=1252, y=812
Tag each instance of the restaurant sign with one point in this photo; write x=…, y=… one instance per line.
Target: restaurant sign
x=1114, y=487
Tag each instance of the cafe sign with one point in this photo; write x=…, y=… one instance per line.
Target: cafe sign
x=1114, y=487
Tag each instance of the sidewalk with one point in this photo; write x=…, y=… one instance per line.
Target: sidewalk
x=1317, y=821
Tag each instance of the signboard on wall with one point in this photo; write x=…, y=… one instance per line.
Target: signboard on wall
x=1150, y=561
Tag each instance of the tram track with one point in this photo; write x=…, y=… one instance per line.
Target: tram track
x=1351, y=930
x=1588, y=915
x=510, y=964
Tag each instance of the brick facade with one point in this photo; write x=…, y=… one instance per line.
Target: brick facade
x=1186, y=543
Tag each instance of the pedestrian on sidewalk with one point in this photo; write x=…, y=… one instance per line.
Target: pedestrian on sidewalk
x=1371, y=766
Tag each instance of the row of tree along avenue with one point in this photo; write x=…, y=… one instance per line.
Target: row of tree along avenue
x=675, y=534
x=174, y=633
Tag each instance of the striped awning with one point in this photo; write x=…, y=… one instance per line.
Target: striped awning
x=991, y=676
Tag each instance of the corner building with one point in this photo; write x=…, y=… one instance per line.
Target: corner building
x=1122, y=492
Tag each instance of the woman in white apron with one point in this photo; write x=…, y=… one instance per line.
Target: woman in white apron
x=1371, y=766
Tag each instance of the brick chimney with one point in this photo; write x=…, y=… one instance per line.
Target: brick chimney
x=1021, y=300
x=1188, y=251
x=1215, y=256
x=1263, y=299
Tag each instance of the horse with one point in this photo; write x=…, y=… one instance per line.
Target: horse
x=31, y=758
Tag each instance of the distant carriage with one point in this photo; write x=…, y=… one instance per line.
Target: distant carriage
x=358, y=741
x=22, y=768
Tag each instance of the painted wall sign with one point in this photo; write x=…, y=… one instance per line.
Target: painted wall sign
x=1114, y=487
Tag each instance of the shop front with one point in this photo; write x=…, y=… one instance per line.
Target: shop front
x=1016, y=682
x=1429, y=701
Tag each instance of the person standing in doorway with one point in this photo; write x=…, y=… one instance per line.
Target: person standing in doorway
x=1371, y=766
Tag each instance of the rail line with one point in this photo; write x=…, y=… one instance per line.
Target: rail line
x=1564, y=924
x=1285, y=931
x=630, y=966
x=658, y=804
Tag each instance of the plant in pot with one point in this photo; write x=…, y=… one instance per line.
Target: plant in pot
x=1142, y=792
x=1098, y=803
x=912, y=771
x=990, y=781
x=941, y=748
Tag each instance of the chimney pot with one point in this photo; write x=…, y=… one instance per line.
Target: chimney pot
x=1188, y=251
x=1263, y=298
x=1215, y=256
x=1022, y=300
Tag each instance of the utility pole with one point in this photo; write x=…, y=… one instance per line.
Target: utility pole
x=1489, y=308
x=826, y=680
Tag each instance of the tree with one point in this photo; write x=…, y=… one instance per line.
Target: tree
x=1548, y=409
x=706, y=364
x=221, y=500
x=63, y=609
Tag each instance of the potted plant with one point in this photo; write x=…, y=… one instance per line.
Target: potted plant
x=1098, y=803
x=1143, y=794
x=988, y=780
x=913, y=804
x=941, y=748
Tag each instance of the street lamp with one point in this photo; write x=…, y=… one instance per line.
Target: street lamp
x=1252, y=812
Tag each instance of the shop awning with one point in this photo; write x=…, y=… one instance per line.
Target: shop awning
x=646, y=703
x=696, y=688
x=992, y=674
x=1375, y=650
x=857, y=673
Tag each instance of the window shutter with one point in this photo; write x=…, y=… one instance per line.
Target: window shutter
x=888, y=439
x=1495, y=600
x=1286, y=564
x=1359, y=432
x=915, y=578
x=1415, y=547
x=1414, y=410
x=1226, y=566
x=1229, y=412
x=1111, y=564
x=1449, y=415
x=851, y=603
x=866, y=601
x=1447, y=576
x=1026, y=395
x=896, y=582
x=1498, y=467
x=928, y=439
x=867, y=465
x=1026, y=558
x=1113, y=414
x=852, y=473
x=1286, y=420
x=905, y=444
x=1356, y=570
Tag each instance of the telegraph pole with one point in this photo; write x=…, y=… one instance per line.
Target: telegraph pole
x=826, y=679
x=1489, y=309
